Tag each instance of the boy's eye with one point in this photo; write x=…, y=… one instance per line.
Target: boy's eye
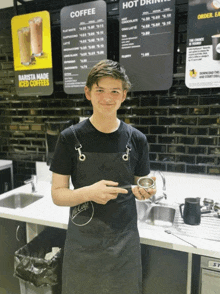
x=102, y=91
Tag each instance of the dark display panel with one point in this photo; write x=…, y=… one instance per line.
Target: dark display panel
x=147, y=43
x=83, y=38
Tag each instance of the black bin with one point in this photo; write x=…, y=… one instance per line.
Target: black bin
x=37, y=274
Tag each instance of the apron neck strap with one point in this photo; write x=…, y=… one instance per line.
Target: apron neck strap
x=125, y=156
x=77, y=143
x=82, y=157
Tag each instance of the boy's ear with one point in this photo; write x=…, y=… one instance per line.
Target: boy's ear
x=87, y=93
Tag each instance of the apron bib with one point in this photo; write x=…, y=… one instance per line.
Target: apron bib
x=102, y=250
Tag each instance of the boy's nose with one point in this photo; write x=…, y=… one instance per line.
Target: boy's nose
x=107, y=97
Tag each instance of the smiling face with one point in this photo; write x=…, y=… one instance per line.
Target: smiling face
x=106, y=96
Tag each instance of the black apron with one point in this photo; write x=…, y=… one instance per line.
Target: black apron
x=102, y=252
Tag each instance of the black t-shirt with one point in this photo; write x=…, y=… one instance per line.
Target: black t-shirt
x=95, y=141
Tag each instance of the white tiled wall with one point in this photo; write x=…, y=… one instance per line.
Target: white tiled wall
x=43, y=172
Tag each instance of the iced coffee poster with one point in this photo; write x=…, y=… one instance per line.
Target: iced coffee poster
x=31, y=36
x=203, y=44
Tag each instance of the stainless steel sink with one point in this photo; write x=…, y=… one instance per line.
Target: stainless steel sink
x=19, y=200
x=160, y=216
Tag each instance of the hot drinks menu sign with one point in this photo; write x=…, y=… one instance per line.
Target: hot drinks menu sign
x=203, y=44
x=147, y=42
x=31, y=38
x=83, y=38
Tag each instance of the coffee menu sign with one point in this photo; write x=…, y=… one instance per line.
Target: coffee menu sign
x=83, y=38
x=203, y=44
x=31, y=37
x=147, y=42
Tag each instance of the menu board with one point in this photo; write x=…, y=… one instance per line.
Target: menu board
x=83, y=37
x=31, y=36
x=147, y=43
x=203, y=44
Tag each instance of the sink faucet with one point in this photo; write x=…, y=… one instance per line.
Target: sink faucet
x=155, y=199
x=33, y=181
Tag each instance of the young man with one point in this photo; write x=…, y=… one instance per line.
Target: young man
x=101, y=155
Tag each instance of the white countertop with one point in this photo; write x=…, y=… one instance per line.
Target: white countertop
x=42, y=212
x=45, y=212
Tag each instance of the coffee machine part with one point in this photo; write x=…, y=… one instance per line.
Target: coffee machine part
x=146, y=183
x=208, y=203
x=217, y=206
x=143, y=182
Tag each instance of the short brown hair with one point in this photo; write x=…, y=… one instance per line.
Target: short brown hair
x=108, y=68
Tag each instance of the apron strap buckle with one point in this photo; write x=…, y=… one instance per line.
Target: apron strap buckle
x=126, y=155
x=82, y=157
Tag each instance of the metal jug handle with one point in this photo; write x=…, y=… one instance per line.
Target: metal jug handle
x=180, y=207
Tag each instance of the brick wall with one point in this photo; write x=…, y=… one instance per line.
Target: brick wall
x=182, y=125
